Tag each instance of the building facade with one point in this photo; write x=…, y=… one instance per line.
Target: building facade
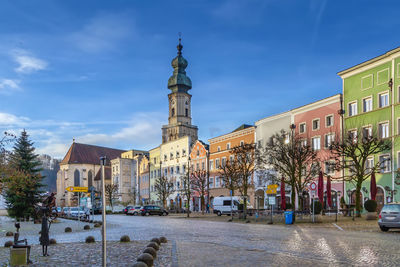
x=265, y=129
x=371, y=92
x=199, y=158
x=123, y=174
x=155, y=173
x=220, y=152
x=81, y=167
x=319, y=124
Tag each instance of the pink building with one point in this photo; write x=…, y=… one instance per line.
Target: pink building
x=320, y=123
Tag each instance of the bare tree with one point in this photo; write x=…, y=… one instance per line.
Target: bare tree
x=199, y=184
x=294, y=159
x=229, y=173
x=111, y=193
x=358, y=149
x=244, y=158
x=187, y=190
x=163, y=189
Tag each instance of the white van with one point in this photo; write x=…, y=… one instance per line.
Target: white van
x=222, y=205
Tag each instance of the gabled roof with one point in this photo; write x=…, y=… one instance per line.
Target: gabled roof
x=107, y=173
x=242, y=127
x=89, y=154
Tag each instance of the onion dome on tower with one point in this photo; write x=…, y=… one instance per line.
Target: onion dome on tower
x=179, y=82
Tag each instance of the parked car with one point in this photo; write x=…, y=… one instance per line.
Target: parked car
x=153, y=210
x=76, y=211
x=127, y=208
x=65, y=211
x=134, y=210
x=224, y=205
x=389, y=217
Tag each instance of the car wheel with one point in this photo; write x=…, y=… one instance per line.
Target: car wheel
x=147, y=214
x=384, y=229
x=164, y=214
x=219, y=213
x=135, y=213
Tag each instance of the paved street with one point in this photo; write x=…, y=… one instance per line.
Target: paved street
x=205, y=243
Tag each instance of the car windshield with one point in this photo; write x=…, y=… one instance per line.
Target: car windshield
x=74, y=209
x=138, y=207
x=391, y=208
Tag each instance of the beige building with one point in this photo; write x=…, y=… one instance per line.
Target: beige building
x=123, y=173
x=81, y=167
x=175, y=157
x=155, y=172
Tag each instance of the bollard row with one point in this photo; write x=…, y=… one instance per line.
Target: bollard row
x=146, y=259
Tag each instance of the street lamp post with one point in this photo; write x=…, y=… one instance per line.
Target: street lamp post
x=103, y=213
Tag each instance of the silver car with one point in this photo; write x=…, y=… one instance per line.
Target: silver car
x=389, y=217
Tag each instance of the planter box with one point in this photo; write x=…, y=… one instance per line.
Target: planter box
x=371, y=216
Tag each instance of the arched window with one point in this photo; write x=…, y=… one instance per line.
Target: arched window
x=90, y=179
x=77, y=178
x=173, y=112
x=187, y=112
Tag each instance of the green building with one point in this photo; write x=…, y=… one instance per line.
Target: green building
x=371, y=92
x=154, y=173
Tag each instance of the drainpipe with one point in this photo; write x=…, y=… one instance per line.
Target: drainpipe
x=391, y=83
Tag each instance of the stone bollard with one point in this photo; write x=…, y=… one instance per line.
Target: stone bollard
x=153, y=245
x=146, y=258
x=157, y=240
x=140, y=264
x=151, y=251
x=163, y=239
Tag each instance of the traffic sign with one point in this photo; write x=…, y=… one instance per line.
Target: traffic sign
x=271, y=200
x=313, y=186
x=77, y=189
x=271, y=189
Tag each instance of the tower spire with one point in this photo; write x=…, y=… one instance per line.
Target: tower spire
x=180, y=45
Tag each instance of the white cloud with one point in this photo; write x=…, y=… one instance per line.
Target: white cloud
x=9, y=85
x=7, y=119
x=103, y=33
x=29, y=64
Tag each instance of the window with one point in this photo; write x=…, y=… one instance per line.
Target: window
x=172, y=112
x=367, y=132
x=369, y=164
x=259, y=144
x=302, y=127
x=165, y=157
x=241, y=143
x=384, y=130
x=186, y=112
x=219, y=149
x=172, y=170
x=197, y=166
x=171, y=156
x=211, y=165
x=223, y=162
x=231, y=159
x=329, y=167
x=198, y=153
x=351, y=167
x=211, y=182
x=367, y=104
x=316, y=143
x=384, y=163
x=383, y=100
x=228, y=146
x=353, y=136
x=184, y=168
x=177, y=169
x=315, y=124
x=183, y=153
x=177, y=154
x=217, y=164
x=329, y=121
x=303, y=142
x=353, y=109
x=329, y=138
x=216, y=181
x=203, y=166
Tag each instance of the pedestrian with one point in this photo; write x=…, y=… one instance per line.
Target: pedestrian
x=44, y=236
x=208, y=208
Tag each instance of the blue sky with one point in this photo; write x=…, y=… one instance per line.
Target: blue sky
x=97, y=71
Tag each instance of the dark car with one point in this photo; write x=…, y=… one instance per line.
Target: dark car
x=389, y=217
x=127, y=209
x=153, y=210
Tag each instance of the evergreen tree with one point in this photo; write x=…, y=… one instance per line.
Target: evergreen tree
x=23, y=184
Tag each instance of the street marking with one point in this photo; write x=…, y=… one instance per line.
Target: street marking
x=338, y=227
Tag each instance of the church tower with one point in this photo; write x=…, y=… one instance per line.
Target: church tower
x=179, y=119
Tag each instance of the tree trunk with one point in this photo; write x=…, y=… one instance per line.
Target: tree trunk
x=202, y=204
x=358, y=200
